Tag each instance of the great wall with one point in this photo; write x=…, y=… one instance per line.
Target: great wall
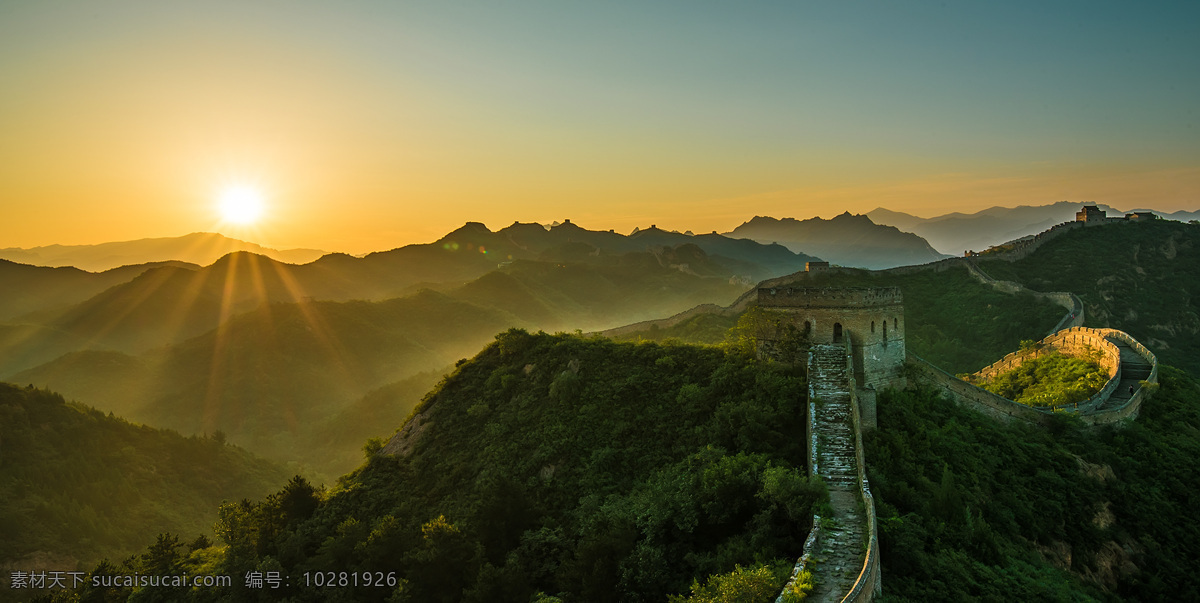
x=851, y=355
x=839, y=375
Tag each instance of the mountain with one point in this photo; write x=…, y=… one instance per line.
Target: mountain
x=201, y=248
x=1017, y=512
x=899, y=219
x=81, y=485
x=273, y=377
x=845, y=240
x=43, y=290
x=956, y=232
x=597, y=470
x=1140, y=277
x=138, y=308
x=555, y=464
x=600, y=471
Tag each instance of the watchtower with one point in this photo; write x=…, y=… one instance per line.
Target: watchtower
x=1091, y=215
x=871, y=319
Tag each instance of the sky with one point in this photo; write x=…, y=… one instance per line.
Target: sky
x=369, y=125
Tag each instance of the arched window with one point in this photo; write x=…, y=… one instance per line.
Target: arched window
x=895, y=325
x=837, y=332
x=885, y=333
x=873, y=326
x=807, y=328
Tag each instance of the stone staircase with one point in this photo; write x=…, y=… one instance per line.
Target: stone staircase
x=829, y=384
x=1134, y=369
x=841, y=550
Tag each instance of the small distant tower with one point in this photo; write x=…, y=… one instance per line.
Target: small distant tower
x=1091, y=215
x=1141, y=216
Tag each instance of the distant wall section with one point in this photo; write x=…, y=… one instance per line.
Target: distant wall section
x=1101, y=409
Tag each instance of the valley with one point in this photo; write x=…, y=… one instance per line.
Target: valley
x=306, y=382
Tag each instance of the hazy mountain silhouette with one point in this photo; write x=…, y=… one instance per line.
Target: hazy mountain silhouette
x=164, y=304
x=846, y=240
x=956, y=232
x=278, y=376
x=201, y=248
x=39, y=289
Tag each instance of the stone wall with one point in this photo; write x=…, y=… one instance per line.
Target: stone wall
x=829, y=297
x=671, y=321
x=1073, y=341
x=1131, y=408
x=870, y=579
x=972, y=396
x=1074, y=315
x=1091, y=412
x=1021, y=248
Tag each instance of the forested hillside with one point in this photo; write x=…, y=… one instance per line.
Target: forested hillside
x=1140, y=277
x=77, y=485
x=972, y=509
x=551, y=463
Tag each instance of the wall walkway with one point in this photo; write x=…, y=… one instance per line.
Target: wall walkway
x=842, y=551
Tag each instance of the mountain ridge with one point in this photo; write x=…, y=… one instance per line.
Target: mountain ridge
x=956, y=232
x=846, y=239
x=200, y=248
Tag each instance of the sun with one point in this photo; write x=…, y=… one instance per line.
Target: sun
x=241, y=204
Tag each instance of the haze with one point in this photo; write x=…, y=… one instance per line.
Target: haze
x=370, y=125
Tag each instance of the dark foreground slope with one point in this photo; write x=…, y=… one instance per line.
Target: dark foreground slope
x=971, y=509
x=595, y=470
x=77, y=485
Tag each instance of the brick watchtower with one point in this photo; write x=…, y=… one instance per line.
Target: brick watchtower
x=871, y=319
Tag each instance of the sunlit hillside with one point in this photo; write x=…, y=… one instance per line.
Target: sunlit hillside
x=81, y=485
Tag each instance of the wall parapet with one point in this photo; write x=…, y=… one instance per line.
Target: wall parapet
x=960, y=391
x=829, y=297
x=1092, y=412
x=1073, y=341
x=870, y=578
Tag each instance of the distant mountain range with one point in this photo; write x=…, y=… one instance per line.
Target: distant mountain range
x=956, y=232
x=201, y=248
x=845, y=240
x=136, y=308
x=289, y=359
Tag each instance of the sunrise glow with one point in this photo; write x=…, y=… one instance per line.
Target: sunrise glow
x=241, y=205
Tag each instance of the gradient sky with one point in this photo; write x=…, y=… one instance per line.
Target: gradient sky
x=370, y=125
